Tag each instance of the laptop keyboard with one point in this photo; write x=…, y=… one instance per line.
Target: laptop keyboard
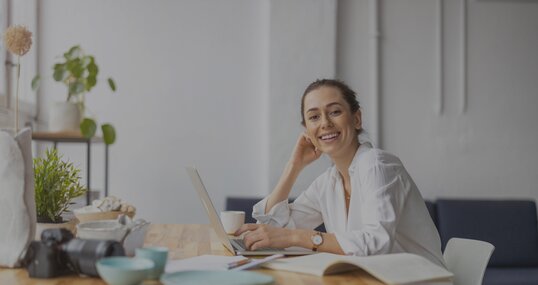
x=240, y=245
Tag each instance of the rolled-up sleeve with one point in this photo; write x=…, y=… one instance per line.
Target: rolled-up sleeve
x=304, y=212
x=385, y=189
x=278, y=216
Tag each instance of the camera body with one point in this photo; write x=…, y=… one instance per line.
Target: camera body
x=58, y=253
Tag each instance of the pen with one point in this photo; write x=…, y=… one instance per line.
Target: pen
x=238, y=263
x=256, y=262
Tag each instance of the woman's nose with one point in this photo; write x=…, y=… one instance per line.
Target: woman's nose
x=326, y=122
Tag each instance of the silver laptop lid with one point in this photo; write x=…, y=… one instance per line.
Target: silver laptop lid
x=209, y=208
x=219, y=229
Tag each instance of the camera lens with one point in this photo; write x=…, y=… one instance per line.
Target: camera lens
x=84, y=253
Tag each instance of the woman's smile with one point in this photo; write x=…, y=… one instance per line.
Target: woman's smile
x=329, y=137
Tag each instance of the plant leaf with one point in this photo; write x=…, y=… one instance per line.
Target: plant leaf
x=93, y=69
x=58, y=74
x=109, y=133
x=72, y=51
x=76, y=87
x=112, y=84
x=35, y=82
x=88, y=128
x=90, y=82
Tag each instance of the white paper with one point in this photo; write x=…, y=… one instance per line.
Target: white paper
x=202, y=262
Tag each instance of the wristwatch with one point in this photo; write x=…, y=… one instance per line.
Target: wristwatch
x=317, y=240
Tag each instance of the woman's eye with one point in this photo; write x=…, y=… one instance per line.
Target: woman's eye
x=336, y=112
x=313, y=117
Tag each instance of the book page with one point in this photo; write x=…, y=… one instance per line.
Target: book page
x=399, y=268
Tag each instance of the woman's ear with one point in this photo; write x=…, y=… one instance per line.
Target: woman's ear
x=357, y=120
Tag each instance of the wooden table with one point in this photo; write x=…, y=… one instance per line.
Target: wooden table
x=189, y=241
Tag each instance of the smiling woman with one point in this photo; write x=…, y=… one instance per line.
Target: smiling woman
x=367, y=200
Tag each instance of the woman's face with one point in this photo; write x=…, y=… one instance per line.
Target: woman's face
x=329, y=121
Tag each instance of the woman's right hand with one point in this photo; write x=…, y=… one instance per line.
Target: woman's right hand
x=305, y=152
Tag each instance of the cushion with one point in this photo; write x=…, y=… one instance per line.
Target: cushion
x=510, y=225
x=242, y=204
x=511, y=276
x=432, y=209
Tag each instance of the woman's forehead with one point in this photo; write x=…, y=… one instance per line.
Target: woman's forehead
x=323, y=96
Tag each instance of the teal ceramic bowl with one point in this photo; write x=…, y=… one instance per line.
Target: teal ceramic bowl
x=123, y=270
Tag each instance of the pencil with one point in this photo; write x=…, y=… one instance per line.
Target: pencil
x=238, y=263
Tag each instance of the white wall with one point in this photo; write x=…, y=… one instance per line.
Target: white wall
x=302, y=48
x=218, y=84
x=188, y=76
x=486, y=150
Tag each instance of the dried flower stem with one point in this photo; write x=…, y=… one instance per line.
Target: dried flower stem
x=18, y=40
x=17, y=95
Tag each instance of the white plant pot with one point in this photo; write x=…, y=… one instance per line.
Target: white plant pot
x=65, y=116
x=40, y=227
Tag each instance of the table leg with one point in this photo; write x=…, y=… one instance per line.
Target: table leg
x=106, y=170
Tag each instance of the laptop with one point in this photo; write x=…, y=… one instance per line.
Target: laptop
x=234, y=245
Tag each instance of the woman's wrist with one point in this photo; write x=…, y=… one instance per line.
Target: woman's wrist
x=293, y=168
x=302, y=238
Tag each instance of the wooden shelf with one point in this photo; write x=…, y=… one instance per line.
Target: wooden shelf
x=65, y=136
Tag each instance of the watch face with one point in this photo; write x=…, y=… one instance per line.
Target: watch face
x=317, y=239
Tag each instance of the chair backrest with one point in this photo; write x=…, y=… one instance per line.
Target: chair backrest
x=467, y=259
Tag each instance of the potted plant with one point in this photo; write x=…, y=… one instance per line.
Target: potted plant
x=78, y=71
x=56, y=184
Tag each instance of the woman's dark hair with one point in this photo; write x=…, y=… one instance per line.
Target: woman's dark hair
x=349, y=95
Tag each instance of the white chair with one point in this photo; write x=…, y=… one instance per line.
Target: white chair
x=467, y=259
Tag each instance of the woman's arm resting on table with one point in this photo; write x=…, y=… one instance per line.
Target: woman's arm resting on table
x=261, y=236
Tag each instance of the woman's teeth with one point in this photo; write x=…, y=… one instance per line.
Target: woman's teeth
x=329, y=136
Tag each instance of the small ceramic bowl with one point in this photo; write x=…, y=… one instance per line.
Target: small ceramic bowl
x=121, y=270
x=103, y=230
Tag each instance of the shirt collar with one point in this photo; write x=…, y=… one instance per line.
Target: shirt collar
x=354, y=163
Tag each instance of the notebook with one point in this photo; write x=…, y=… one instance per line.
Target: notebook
x=396, y=268
x=234, y=245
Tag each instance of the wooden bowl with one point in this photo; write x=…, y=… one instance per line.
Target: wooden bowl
x=110, y=215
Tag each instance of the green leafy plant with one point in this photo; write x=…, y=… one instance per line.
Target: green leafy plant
x=57, y=183
x=78, y=71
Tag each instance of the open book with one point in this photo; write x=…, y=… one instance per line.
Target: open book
x=397, y=268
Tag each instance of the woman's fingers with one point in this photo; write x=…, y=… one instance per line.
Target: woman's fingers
x=262, y=243
x=246, y=227
x=254, y=237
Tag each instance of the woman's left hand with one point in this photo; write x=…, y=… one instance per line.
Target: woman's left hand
x=261, y=236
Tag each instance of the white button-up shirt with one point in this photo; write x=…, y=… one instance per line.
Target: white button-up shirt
x=386, y=212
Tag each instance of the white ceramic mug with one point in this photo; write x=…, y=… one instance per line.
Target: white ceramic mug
x=232, y=220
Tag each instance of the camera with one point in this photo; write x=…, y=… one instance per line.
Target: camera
x=58, y=253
